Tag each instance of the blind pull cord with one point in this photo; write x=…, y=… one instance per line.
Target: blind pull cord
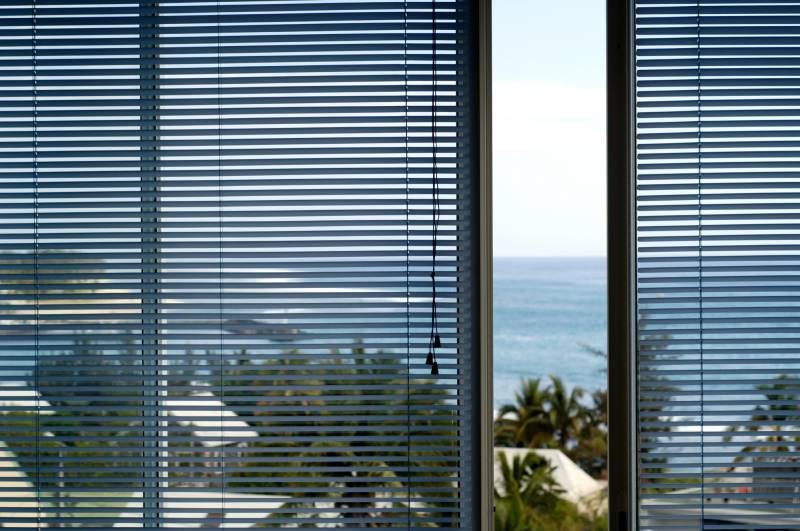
x=434, y=341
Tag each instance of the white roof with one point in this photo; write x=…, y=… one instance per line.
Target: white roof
x=573, y=480
x=18, y=394
x=19, y=487
x=175, y=503
x=222, y=428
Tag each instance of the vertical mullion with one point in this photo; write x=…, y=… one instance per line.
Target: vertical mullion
x=148, y=32
x=477, y=282
x=622, y=416
x=408, y=264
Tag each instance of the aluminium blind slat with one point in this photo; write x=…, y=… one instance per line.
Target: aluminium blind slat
x=716, y=281
x=205, y=57
x=215, y=257
x=329, y=89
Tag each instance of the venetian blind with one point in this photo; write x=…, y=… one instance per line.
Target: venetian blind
x=718, y=252
x=218, y=223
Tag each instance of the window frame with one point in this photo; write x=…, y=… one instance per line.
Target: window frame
x=483, y=474
x=479, y=66
x=621, y=298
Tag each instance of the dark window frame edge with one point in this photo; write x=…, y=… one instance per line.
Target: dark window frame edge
x=480, y=34
x=621, y=266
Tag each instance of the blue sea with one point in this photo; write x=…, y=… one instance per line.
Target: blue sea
x=545, y=311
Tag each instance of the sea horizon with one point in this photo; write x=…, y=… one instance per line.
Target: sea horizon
x=548, y=311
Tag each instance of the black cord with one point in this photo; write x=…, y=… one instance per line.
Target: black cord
x=434, y=341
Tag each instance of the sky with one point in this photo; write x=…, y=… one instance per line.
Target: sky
x=549, y=127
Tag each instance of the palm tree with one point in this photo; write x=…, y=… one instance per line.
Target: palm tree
x=566, y=412
x=771, y=417
x=354, y=473
x=591, y=451
x=525, y=423
x=527, y=499
x=526, y=492
x=771, y=456
x=552, y=417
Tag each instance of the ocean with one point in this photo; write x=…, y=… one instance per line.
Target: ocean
x=545, y=311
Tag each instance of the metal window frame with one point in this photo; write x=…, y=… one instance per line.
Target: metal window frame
x=621, y=234
x=481, y=137
x=151, y=371
x=481, y=288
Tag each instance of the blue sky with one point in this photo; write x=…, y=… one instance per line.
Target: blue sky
x=549, y=127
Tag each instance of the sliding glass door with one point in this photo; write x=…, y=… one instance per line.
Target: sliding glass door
x=714, y=133
x=239, y=264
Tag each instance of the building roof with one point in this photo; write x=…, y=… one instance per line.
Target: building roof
x=21, y=397
x=210, y=419
x=18, y=486
x=237, y=505
x=578, y=486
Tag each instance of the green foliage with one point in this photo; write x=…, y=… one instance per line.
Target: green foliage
x=525, y=423
x=358, y=462
x=72, y=383
x=591, y=449
x=528, y=500
x=549, y=416
x=552, y=417
x=780, y=414
x=363, y=459
x=658, y=409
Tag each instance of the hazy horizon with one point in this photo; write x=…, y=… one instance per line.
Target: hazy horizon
x=553, y=256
